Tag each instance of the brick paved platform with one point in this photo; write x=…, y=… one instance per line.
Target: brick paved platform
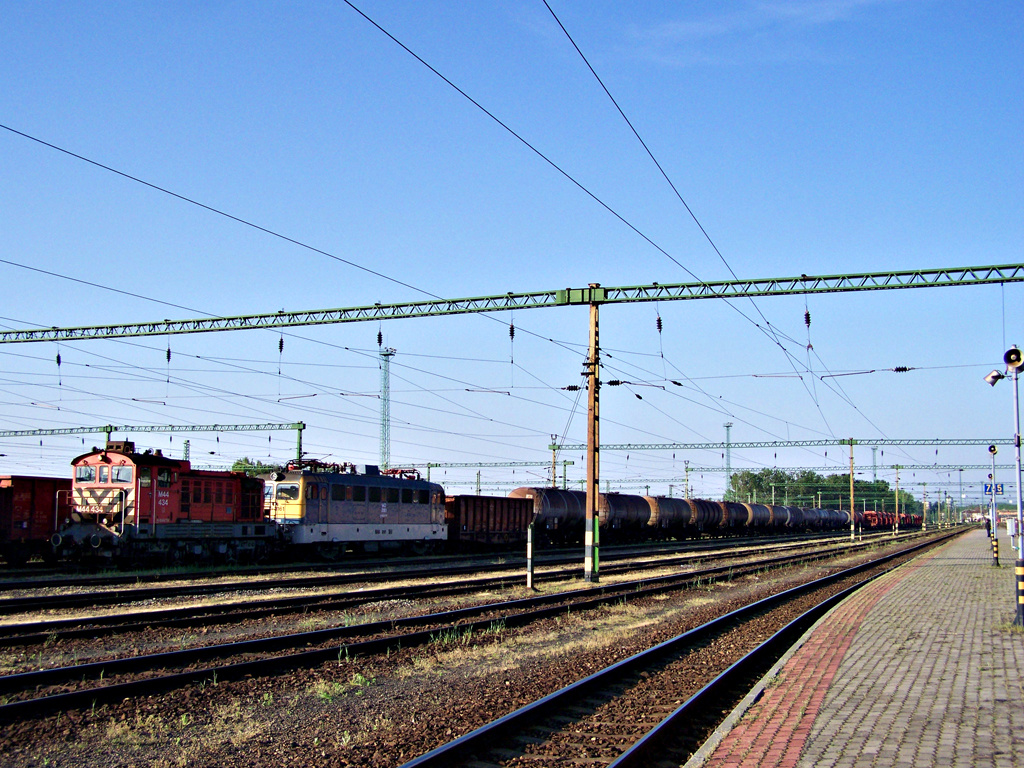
x=920, y=668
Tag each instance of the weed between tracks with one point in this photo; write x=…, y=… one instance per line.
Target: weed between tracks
x=329, y=691
x=347, y=708
x=177, y=741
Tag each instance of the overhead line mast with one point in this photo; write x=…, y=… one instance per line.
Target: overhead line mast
x=726, y=289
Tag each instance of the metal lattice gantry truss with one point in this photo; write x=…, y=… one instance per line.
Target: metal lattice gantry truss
x=108, y=429
x=727, y=289
x=776, y=444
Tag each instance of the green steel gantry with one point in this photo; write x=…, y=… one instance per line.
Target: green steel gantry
x=108, y=429
x=774, y=444
x=496, y=464
x=595, y=294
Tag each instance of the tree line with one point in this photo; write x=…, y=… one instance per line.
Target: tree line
x=809, y=489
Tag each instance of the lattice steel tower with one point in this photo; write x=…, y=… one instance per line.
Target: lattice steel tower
x=385, y=407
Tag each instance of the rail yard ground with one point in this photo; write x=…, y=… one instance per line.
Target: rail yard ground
x=375, y=710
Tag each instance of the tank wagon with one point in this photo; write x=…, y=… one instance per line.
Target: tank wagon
x=561, y=516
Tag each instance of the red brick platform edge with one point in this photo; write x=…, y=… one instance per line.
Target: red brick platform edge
x=774, y=730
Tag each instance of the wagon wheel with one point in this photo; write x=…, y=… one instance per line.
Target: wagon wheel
x=330, y=551
x=421, y=547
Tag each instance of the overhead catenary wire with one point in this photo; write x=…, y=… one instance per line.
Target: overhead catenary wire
x=176, y=359
x=770, y=332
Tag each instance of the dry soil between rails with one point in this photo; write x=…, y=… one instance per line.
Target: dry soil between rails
x=381, y=710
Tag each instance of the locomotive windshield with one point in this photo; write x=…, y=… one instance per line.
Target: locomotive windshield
x=287, y=491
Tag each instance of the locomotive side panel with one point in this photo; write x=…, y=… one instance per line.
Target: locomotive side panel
x=333, y=511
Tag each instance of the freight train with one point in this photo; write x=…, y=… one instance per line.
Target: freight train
x=130, y=507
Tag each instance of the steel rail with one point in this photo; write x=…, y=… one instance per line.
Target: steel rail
x=649, y=748
x=30, y=633
x=458, y=621
x=485, y=737
x=113, y=597
x=61, y=629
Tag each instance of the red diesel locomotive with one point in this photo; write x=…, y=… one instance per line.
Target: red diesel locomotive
x=143, y=506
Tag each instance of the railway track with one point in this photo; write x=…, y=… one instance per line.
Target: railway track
x=52, y=630
x=611, y=563
x=654, y=708
x=37, y=693
x=40, y=575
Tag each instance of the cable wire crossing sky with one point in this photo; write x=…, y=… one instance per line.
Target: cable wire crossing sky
x=178, y=161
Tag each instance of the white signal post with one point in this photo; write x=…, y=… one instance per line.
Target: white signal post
x=1015, y=360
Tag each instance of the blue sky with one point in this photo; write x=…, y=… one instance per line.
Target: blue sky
x=806, y=137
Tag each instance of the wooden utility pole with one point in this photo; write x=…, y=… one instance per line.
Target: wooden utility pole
x=853, y=510
x=591, y=545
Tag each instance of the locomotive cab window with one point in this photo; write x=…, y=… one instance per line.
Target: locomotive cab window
x=423, y=496
x=407, y=495
x=358, y=493
x=374, y=494
x=393, y=495
x=121, y=474
x=104, y=474
x=337, y=493
x=287, y=492
x=163, y=478
x=85, y=474
x=145, y=477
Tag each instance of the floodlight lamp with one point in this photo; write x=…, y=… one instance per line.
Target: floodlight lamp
x=993, y=377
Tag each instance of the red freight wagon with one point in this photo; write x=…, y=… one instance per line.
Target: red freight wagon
x=487, y=521
x=31, y=508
